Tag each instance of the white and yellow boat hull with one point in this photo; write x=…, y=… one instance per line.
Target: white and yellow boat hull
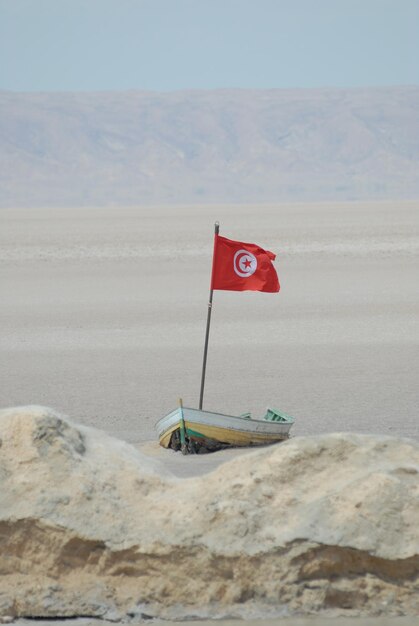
x=214, y=430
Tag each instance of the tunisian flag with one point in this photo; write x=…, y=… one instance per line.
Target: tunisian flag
x=239, y=266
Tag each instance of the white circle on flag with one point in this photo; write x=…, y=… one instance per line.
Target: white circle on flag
x=245, y=263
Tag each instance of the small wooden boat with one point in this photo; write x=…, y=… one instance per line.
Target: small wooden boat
x=194, y=430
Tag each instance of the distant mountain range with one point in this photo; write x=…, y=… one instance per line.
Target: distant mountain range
x=127, y=148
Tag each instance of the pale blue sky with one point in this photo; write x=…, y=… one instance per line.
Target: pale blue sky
x=56, y=45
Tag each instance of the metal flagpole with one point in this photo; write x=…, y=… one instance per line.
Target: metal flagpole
x=204, y=363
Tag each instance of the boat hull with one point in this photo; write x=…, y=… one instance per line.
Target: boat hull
x=211, y=431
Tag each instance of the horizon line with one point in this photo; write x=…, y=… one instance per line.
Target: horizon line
x=208, y=89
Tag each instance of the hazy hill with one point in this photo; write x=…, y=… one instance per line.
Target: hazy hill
x=208, y=146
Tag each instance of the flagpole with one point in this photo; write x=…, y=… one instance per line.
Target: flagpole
x=204, y=362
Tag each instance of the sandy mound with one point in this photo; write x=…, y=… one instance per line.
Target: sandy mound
x=89, y=526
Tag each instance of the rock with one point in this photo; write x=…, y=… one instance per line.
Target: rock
x=91, y=527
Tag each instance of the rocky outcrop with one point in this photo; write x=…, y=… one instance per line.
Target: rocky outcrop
x=89, y=526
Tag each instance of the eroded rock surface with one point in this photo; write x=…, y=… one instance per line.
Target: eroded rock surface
x=90, y=526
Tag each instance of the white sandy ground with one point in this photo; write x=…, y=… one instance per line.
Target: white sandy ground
x=103, y=315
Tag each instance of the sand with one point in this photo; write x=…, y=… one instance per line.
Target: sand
x=295, y=621
x=103, y=317
x=89, y=526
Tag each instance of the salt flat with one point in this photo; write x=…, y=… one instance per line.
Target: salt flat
x=103, y=315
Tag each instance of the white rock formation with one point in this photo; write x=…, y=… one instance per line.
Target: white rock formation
x=89, y=526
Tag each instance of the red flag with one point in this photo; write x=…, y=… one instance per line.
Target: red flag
x=239, y=266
